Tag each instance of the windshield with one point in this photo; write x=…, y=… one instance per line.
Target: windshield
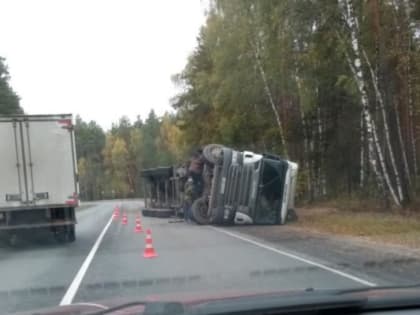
x=270, y=192
x=195, y=150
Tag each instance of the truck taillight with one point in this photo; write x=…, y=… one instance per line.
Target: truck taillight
x=73, y=200
x=65, y=123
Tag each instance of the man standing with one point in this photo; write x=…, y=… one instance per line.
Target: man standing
x=188, y=199
x=195, y=171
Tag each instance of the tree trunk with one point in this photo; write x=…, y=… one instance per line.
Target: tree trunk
x=372, y=138
x=312, y=164
x=411, y=112
x=371, y=143
x=306, y=155
x=321, y=153
x=402, y=144
x=386, y=127
x=257, y=114
x=269, y=96
x=362, y=153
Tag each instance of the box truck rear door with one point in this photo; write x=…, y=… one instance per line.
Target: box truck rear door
x=13, y=192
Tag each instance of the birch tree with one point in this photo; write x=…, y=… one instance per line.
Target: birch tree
x=307, y=76
x=371, y=132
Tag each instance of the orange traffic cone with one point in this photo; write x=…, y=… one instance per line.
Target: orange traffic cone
x=138, y=228
x=124, y=219
x=116, y=214
x=149, y=251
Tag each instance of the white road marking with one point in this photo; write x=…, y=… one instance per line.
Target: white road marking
x=74, y=286
x=310, y=262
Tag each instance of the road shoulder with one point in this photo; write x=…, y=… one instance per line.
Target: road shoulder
x=390, y=264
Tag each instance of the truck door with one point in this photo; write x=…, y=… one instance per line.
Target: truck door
x=13, y=192
x=49, y=161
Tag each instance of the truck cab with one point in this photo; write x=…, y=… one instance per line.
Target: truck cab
x=251, y=188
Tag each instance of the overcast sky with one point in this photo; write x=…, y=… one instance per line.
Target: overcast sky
x=98, y=58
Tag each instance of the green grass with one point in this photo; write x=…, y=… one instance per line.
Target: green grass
x=379, y=226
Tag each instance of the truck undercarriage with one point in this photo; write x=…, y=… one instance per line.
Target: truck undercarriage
x=238, y=188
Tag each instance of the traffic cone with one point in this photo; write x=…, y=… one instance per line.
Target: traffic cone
x=138, y=228
x=124, y=219
x=149, y=251
x=116, y=214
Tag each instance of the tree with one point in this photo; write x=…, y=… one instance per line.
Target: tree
x=90, y=140
x=302, y=78
x=130, y=148
x=172, y=139
x=150, y=138
x=9, y=100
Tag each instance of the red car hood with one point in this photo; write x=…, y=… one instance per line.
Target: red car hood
x=185, y=298
x=389, y=295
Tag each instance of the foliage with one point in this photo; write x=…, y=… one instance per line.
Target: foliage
x=331, y=85
x=257, y=59
x=110, y=163
x=90, y=140
x=9, y=100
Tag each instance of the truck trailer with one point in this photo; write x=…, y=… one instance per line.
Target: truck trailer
x=38, y=176
x=240, y=187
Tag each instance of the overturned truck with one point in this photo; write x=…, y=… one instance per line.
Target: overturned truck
x=239, y=188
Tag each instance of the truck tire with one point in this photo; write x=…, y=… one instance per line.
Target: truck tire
x=231, y=219
x=199, y=211
x=213, y=153
x=219, y=218
x=65, y=234
x=291, y=216
x=60, y=237
x=12, y=240
x=71, y=233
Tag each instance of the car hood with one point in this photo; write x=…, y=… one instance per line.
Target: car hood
x=368, y=297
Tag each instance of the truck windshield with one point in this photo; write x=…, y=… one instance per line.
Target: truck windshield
x=270, y=192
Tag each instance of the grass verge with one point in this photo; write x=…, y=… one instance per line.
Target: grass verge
x=394, y=228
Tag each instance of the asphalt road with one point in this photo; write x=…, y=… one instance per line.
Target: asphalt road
x=106, y=261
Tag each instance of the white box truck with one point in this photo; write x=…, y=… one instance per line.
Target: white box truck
x=38, y=176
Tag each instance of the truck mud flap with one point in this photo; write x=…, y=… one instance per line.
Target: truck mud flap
x=158, y=213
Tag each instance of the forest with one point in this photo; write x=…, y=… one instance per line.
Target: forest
x=332, y=85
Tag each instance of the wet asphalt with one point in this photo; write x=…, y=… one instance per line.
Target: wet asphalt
x=38, y=271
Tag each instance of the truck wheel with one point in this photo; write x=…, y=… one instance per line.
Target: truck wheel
x=231, y=219
x=291, y=216
x=65, y=234
x=199, y=211
x=218, y=217
x=71, y=233
x=13, y=240
x=213, y=153
x=60, y=236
